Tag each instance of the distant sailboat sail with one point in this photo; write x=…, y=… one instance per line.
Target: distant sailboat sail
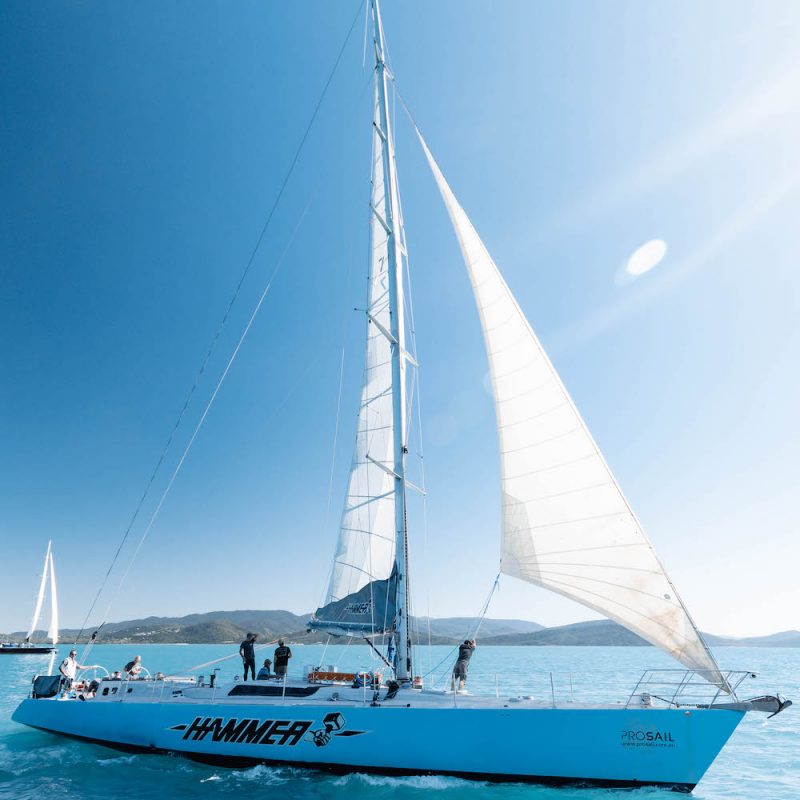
x=365, y=552
x=52, y=631
x=37, y=611
x=566, y=525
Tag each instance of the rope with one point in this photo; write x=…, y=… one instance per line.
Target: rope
x=324, y=651
x=220, y=328
x=474, y=633
x=197, y=428
x=225, y=658
x=377, y=652
x=335, y=440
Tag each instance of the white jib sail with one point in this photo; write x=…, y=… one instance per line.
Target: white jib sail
x=566, y=525
x=365, y=550
x=37, y=611
x=52, y=632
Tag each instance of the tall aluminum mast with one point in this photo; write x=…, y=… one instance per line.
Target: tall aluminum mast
x=393, y=226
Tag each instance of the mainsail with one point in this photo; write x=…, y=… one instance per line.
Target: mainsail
x=566, y=525
x=365, y=553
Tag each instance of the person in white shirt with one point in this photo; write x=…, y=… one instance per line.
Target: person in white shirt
x=69, y=667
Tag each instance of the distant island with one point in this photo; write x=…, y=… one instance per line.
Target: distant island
x=230, y=627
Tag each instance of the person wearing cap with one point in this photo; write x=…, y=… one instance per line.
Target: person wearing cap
x=248, y=654
x=282, y=656
x=69, y=668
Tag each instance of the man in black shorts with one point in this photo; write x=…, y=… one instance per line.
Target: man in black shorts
x=465, y=652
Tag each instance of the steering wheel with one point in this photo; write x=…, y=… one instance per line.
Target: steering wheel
x=94, y=669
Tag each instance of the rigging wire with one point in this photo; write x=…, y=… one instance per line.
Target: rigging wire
x=398, y=95
x=221, y=325
x=335, y=439
x=226, y=658
x=474, y=632
x=199, y=425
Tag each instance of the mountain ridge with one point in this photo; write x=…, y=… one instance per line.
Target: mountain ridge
x=229, y=627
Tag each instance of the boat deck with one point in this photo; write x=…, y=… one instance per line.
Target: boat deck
x=301, y=693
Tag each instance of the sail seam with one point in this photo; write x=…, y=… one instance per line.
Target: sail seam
x=561, y=494
x=572, y=521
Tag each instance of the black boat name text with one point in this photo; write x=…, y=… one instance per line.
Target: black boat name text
x=641, y=738
x=280, y=732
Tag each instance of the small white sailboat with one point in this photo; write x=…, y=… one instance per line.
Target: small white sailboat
x=29, y=647
x=565, y=525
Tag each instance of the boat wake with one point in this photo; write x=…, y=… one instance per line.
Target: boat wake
x=437, y=783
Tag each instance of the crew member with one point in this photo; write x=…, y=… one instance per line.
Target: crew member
x=465, y=652
x=133, y=668
x=282, y=656
x=265, y=673
x=69, y=668
x=248, y=654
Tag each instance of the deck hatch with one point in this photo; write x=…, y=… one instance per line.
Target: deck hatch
x=272, y=691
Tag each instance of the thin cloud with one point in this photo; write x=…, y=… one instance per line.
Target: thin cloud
x=761, y=109
x=598, y=322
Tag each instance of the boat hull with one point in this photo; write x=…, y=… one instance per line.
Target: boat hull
x=593, y=746
x=26, y=651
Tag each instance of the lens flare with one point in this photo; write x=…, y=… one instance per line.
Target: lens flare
x=646, y=257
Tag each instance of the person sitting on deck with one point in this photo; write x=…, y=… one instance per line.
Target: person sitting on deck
x=89, y=690
x=465, y=652
x=282, y=656
x=133, y=668
x=265, y=673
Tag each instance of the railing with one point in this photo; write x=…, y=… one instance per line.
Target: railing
x=679, y=687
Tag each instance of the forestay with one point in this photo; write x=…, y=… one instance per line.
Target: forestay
x=565, y=522
x=365, y=552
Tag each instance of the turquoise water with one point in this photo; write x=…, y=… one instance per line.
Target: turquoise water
x=761, y=762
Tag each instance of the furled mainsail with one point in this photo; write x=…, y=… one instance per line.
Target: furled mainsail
x=566, y=525
x=370, y=610
x=366, y=548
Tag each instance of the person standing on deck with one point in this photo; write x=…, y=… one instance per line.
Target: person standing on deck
x=282, y=656
x=69, y=668
x=248, y=654
x=133, y=668
x=465, y=652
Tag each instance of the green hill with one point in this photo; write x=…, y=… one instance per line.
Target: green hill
x=230, y=627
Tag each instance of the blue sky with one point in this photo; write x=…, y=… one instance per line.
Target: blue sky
x=142, y=147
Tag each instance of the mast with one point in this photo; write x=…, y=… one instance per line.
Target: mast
x=392, y=223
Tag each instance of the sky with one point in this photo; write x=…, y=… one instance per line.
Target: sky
x=141, y=149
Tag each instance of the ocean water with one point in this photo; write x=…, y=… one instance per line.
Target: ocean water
x=760, y=762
